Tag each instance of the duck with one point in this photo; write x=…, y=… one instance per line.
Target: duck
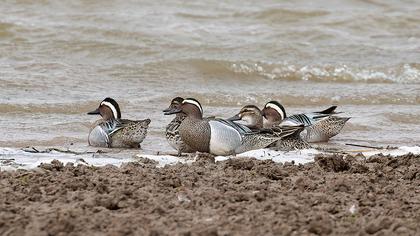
x=320, y=126
x=172, y=129
x=221, y=137
x=113, y=132
x=252, y=117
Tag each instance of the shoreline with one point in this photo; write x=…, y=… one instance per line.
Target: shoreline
x=335, y=194
x=31, y=157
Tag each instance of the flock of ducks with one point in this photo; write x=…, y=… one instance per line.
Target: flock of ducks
x=250, y=129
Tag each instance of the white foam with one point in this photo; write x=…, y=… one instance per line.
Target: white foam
x=12, y=159
x=298, y=157
x=403, y=73
x=164, y=159
x=395, y=152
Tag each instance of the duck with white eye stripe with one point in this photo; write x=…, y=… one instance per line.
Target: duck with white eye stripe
x=221, y=137
x=319, y=126
x=172, y=129
x=252, y=117
x=112, y=131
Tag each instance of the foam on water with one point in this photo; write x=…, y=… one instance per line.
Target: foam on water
x=165, y=159
x=298, y=157
x=13, y=159
x=405, y=73
x=395, y=152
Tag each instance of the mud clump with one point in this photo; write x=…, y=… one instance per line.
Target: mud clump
x=321, y=225
x=54, y=165
x=335, y=195
x=335, y=163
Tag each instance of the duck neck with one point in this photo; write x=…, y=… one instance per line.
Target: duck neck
x=180, y=115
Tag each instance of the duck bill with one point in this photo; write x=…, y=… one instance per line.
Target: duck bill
x=170, y=111
x=167, y=109
x=234, y=118
x=95, y=112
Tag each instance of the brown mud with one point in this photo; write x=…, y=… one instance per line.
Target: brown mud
x=334, y=195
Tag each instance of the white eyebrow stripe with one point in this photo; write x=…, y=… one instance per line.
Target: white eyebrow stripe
x=112, y=107
x=277, y=108
x=195, y=103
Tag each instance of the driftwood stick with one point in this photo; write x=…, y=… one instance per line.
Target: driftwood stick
x=365, y=146
x=48, y=150
x=69, y=151
x=30, y=149
x=158, y=153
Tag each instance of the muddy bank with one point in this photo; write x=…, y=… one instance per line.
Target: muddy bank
x=333, y=195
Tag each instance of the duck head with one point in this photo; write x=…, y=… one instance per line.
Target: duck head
x=175, y=104
x=189, y=106
x=108, y=109
x=251, y=116
x=274, y=112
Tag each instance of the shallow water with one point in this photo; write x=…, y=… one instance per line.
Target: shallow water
x=59, y=60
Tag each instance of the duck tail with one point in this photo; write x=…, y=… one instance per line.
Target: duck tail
x=147, y=121
x=328, y=111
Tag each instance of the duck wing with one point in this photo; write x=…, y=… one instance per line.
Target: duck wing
x=133, y=132
x=264, y=137
x=285, y=131
x=313, y=117
x=307, y=119
x=242, y=129
x=111, y=126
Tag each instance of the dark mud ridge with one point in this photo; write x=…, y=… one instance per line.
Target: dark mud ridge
x=334, y=195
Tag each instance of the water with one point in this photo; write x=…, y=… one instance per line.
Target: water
x=60, y=59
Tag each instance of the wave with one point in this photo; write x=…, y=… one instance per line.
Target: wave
x=282, y=15
x=409, y=119
x=223, y=99
x=5, y=29
x=408, y=73
x=59, y=108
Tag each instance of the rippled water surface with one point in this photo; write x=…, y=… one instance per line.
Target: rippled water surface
x=59, y=59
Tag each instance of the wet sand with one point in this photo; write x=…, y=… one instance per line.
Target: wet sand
x=333, y=195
